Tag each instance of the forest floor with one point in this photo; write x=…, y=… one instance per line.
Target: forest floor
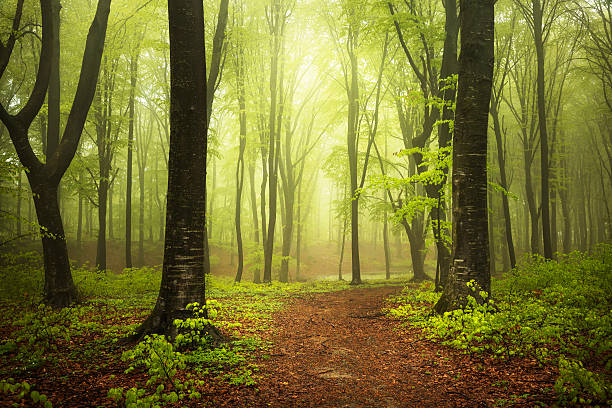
x=338, y=349
x=330, y=349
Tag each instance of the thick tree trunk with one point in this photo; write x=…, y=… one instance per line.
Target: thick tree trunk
x=183, y=279
x=470, y=226
x=59, y=287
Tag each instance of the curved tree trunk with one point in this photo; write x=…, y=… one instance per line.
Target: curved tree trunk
x=45, y=178
x=59, y=287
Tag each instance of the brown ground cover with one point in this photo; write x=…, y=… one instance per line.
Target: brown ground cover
x=332, y=349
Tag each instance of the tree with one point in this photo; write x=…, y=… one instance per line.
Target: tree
x=469, y=176
x=242, y=118
x=44, y=178
x=433, y=86
x=128, y=197
x=183, y=280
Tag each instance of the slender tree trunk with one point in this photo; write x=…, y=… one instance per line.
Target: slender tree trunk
x=531, y=205
x=386, y=247
x=141, y=210
x=448, y=68
x=256, y=270
x=298, y=240
x=18, y=226
x=110, y=218
x=80, y=222
x=128, y=188
x=342, y=250
x=539, y=45
x=491, y=213
x=353, y=115
x=101, y=242
x=501, y=160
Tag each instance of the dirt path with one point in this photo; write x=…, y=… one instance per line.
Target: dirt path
x=338, y=350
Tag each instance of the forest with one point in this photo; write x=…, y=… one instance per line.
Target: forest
x=305, y=203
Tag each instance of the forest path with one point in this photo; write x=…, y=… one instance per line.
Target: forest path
x=337, y=349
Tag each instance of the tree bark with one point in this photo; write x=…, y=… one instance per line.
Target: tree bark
x=501, y=159
x=539, y=45
x=240, y=165
x=44, y=179
x=470, y=224
x=128, y=188
x=183, y=279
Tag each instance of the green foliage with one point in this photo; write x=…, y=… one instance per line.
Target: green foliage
x=162, y=363
x=21, y=275
x=132, y=284
x=23, y=390
x=40, y=332
x=555, y=311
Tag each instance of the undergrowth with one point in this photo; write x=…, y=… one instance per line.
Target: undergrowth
x=35, y=338
x=558, y=312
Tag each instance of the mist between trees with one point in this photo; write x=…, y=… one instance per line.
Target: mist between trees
x=327, y=123
x=302, y=140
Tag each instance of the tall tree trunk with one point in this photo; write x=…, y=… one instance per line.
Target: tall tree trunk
x=59, y=286
x=111, y=231
x=18, y=223
x=298, y=239
x=256, y=269
x=353, y=115
x=44, y=179
x=539, y=45
x=470, y=226
x=342, y=249
x=141, y=210
x=211, y=87
x=128, y=188
x=240, y=81
x=101, y=241
x=491, y=213
x=183, y=280
x=501, y=160
x=54, y=92
x=386, y=247
x=448, y=68
x=80, y=221
x=534, y=215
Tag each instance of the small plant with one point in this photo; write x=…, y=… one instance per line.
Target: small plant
x=554, y=311
x=23, y=390
x=579, y=385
